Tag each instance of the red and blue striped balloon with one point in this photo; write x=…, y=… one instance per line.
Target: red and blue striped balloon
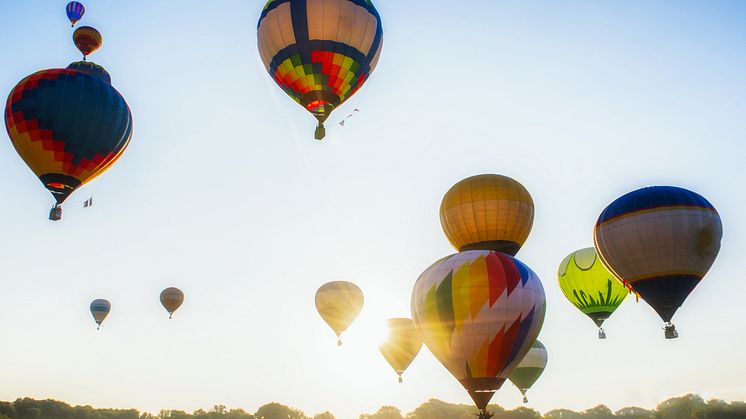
x=75, y=12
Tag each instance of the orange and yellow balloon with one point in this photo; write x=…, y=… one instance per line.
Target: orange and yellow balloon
x=87, y=40
x=487, y=212
x=402, y=345
x=339, y=303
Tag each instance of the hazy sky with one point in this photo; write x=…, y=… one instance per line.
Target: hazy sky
x=224, y=193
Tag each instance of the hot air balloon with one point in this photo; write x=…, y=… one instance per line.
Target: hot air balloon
x=530, y=368
x=487, y=212
x=87, y=39
x=590, y=287
x=171, y=299
x=339, y=304
x=92, y=69
x=69, y=126
x=402, y=344
x=75, y=12
x=479, y=311
x=320, y=52
x=661, y=241
x=100, y=309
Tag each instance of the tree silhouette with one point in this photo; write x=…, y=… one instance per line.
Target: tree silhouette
x=278, y=411
x=386, y=412
x=689, y=406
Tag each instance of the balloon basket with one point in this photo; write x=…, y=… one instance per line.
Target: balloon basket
x=601, y=333
x=401, y=380
x=484, y=414
x=525, y=399
x=55, y=214
x=320, y=132
x=670, y=331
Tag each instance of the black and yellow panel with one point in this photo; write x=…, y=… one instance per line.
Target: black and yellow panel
x=320, y=52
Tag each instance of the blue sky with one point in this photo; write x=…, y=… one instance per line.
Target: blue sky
x=224, y=193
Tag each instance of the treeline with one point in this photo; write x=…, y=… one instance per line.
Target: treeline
x=687, y=407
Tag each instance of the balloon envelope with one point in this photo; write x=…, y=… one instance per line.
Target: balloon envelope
x=100, y=309
x=530, y=368
x=92, y=69
x=87, y=39
x=487, y=212
x=75, y=12
x=589, y=286
x=320, y=52
x=479, y=311
x=68, y=126
x=402, y=345
x=171, y=299
x=661, y=241
x=339, y=304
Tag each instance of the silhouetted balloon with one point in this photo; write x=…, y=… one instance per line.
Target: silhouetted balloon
x=530, y=368
x=661, y=241
x=100, y=308
x=87, y=40
x=171, y=299
x=69, y=126
x=320, y=52
x=487, y=212
x=339, y=304
x=479, y=311
x=75, y=12
x=590, y=287
x=402, y=344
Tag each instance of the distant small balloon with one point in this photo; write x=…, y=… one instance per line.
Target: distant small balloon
x=530, y=368
x=75, y=12
x=87, y=39
x=339, y=304
x=100, y=308
x=172, y=298
x=402, y=345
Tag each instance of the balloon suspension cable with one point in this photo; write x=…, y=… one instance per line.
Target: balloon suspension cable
x=55, y=214
x=601, y=333
x=357, y=106
x=670, y=331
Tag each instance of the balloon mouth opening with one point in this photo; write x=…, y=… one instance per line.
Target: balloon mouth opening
x=502, y=246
